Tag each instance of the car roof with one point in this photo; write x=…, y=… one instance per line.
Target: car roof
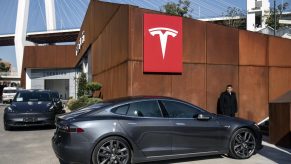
x=137, y=98
x=34, y=90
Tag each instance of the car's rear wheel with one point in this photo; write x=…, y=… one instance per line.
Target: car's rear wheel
x=113, y=150
x=242, y=144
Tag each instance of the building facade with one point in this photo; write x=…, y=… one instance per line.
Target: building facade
x=111, y=48
x=50, y=68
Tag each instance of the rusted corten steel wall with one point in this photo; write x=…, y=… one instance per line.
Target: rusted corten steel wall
x=61, y=56
x=258, y=66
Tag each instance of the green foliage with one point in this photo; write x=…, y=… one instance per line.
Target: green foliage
x=182, y=8
x=3, y=67
x=233, y=12
x=93, y=87
x=83, y=101
x=278, y=11
x=82, y=84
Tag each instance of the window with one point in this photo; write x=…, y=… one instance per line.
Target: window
x=145, y=109
x=180, y=110
x=121, y=110
x=32, y=96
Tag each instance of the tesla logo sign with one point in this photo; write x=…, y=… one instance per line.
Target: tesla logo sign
x=163, y=36
x=162, y=43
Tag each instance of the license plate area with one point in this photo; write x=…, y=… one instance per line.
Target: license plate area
x=29, y=119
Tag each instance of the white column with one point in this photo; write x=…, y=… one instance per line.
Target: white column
x=251, y=15
x=28, y=79
x=50, y=14
x=265, y=12
x=20, y=31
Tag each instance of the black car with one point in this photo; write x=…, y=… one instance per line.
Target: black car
x=139, y=129
x=58, y=101
x=30, y=108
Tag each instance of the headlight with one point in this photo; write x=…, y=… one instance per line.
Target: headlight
x=10, y=110
x=256, y=125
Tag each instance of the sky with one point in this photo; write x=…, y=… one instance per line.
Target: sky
x=70, y=14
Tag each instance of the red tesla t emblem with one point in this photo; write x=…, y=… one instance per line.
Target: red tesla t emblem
x=162, y=43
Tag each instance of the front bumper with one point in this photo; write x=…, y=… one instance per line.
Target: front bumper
x=29, y=119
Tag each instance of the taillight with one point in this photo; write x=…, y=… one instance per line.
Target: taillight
x=76, y=130
x=70, y=129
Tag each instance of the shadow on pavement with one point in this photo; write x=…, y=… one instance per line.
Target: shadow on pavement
x=192, y=159
x=278, y=155
x=32, y=128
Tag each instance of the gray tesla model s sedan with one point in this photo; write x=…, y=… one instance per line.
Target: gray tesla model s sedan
x=145, y=128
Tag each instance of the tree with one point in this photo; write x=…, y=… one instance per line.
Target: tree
x=279, y=12
x=234, y=14
x=3, y=67
x=182, y=8
x=82, y=84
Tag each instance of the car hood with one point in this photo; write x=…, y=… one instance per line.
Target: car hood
x=31, y=107
x=234, y=119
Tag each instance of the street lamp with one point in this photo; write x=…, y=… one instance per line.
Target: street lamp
x=275, y=18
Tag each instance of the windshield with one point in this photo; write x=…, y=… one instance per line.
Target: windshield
x=55, y=95
x=32, y=96
x=9, y=91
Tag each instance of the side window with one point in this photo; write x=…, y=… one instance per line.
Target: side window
x=144, y=109
x=121, y=110
x=180, y=110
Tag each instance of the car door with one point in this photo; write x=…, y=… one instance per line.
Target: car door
x=146, y=126
x=191, y=135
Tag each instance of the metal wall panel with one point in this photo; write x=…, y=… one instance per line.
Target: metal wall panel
x=114, y=81
x=218, y=77
x=59, y=56
x=279, y=51
x=252, y=48
x=194, y=41
x=222, y=44
x=191, y=84
x=111, y=47
x=279, y=82
x=253, y=92
x=136, y=32
x=147, y=84
x=54, y=56
x=103, y=12
x=280, y=124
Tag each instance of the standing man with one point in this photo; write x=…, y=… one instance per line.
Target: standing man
x=228, y=102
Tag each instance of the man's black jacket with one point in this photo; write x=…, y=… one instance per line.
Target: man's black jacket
x=228, y=103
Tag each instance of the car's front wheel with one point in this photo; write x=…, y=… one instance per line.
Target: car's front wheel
x=113, y=150
x=242, y=144
x=7, y=127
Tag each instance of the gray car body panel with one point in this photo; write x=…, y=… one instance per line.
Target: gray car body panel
x=150, y=138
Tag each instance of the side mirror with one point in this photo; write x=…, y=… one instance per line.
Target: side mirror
x=203, y=117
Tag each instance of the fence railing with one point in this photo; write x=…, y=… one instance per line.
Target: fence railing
x=6, y=74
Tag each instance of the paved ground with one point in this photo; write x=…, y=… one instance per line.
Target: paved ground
x=32, y=146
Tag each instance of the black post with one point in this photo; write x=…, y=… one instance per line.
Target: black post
x=275, y=19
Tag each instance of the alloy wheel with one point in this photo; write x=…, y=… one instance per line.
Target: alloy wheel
x=244, y=144
x=113, y=152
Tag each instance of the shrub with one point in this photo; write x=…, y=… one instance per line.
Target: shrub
x=93, y=87
x=83, y=101
x=82, y=84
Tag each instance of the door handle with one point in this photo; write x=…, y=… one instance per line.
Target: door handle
x=131, y=123
x=180, y=124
